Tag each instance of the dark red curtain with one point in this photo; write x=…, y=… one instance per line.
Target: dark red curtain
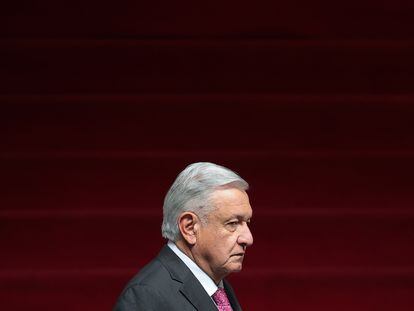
x=102, y=104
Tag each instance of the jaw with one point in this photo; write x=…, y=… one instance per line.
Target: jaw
x=236, y=266
x=233, y=264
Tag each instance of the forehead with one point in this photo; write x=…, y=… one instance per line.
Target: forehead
x=231, y=202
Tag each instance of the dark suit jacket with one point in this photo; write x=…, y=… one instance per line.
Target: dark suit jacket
x=166, y=283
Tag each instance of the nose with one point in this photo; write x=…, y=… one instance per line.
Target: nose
x=245, y=238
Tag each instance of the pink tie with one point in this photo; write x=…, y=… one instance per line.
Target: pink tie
x=221, y=300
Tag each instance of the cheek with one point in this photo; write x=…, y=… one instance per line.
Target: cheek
x=227, y=244
x=211, y=241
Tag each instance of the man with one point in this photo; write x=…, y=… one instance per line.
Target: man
x=206, y=218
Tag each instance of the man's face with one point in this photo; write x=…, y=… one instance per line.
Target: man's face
x=221, y=242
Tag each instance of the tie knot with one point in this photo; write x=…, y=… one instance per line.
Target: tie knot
x=222, y=302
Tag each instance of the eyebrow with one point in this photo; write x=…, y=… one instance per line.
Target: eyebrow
x=238, y=216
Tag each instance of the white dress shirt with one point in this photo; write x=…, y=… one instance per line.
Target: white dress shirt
x=207, y=283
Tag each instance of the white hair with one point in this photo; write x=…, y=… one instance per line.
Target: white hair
x=190, y=192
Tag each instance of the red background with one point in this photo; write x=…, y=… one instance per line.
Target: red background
x=102, y=104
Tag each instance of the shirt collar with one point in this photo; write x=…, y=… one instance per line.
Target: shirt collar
x=201, y=276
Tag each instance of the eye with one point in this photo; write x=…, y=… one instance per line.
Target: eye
x=232, y=225
x=233, y=221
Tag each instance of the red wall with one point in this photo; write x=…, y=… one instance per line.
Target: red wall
x=102, y=104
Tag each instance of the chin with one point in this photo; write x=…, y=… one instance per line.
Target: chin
x=236, y=267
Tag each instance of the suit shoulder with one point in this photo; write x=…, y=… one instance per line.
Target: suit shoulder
x=140, y=297
x=142, y=290
x=149, y=275
x=152, y=288
x=155, y=275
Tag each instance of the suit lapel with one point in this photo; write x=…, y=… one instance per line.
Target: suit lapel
x=191, y=288
x=196, y=294
x=232, y=296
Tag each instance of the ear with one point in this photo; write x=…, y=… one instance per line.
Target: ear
x=188, y=224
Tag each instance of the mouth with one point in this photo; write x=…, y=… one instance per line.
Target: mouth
x=238, y=255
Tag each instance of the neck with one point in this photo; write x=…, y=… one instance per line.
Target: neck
x=189, y=251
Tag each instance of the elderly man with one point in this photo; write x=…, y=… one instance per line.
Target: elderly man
x=206, y=221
